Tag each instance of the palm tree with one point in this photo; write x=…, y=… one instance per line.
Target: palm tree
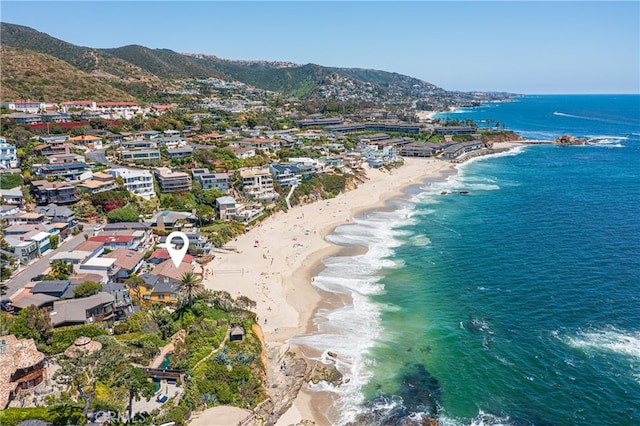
x=190, y=285
x=61, y=269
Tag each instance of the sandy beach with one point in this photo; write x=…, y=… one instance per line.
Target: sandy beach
x=275, y=262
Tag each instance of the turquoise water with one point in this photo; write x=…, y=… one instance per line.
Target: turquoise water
x=517, y=303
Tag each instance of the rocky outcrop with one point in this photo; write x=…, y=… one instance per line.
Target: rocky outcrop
x=570, y=140
x=287, y=372
x=327, y=373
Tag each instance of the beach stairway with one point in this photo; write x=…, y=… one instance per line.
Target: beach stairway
x=293, y=188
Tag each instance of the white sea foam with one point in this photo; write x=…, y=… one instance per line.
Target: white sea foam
x=350, y=331
x=611, y=340
x=420, y=240
x=482, y=419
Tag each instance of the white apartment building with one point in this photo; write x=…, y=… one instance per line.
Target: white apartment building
x=139, y=182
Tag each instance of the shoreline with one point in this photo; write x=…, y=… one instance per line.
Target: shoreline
x=277, y=273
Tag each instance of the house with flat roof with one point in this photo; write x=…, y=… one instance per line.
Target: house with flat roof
x=286, y=174
x=139, y=182
x=257, y=183
x=171, y=180
x=209, y=180
x=46, y=192
x=113, y=242
x=100, y=182
x=67, y=171
x=180, y=152
x=140, y=155
x=226, y=208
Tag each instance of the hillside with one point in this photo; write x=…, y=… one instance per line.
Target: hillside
x=30, y=75
x=113, y=70
x=144, y=72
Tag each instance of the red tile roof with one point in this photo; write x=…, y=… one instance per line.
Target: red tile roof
x=164, y=254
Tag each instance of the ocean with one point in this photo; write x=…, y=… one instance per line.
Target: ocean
x=512, y=299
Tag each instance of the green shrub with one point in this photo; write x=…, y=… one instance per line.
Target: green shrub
x=63, y=337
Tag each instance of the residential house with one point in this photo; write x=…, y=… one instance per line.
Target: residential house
x=77, y=106
x=140, y=155
x=160, y=255
x=255, y=143
x=226, y=208
x=141, y=231
x=56, y=213
x=46, y=192
x=102, y=266
x=286, y=174
x=198, y=243
x=90, y=141
x=67, y=171
x=257, y=183
x=122, y=306
x=21, y=118
x=172, y=181
x=246, y=212
x=169, y=141
x=75, y=257
x=22, y=367
x=24, y=250
x=24, y=298
x=150, y=134
x=12, y=196
x=126, y=110
x=94, y=248
x=84, y=310
x=127, y=262
x=244, y=153
x=113, y=242
x=55, y=288
x=31, y=107
x=138, y=144
x=139, y=182
x=25, y=218
x=100, y=182
x=54, y=147
x=65, y=158
x=170, y=220
x=208, y=180
x=8, y=156
x=8, y=210
x=178, y=153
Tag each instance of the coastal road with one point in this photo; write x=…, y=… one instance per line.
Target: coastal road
x=39, y=266
x=99, y=156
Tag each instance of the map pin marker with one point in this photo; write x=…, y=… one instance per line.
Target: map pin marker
x=177, y=255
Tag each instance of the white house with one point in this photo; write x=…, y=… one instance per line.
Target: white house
x=139, y=182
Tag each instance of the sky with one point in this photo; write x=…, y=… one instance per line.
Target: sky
x=541, y=47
